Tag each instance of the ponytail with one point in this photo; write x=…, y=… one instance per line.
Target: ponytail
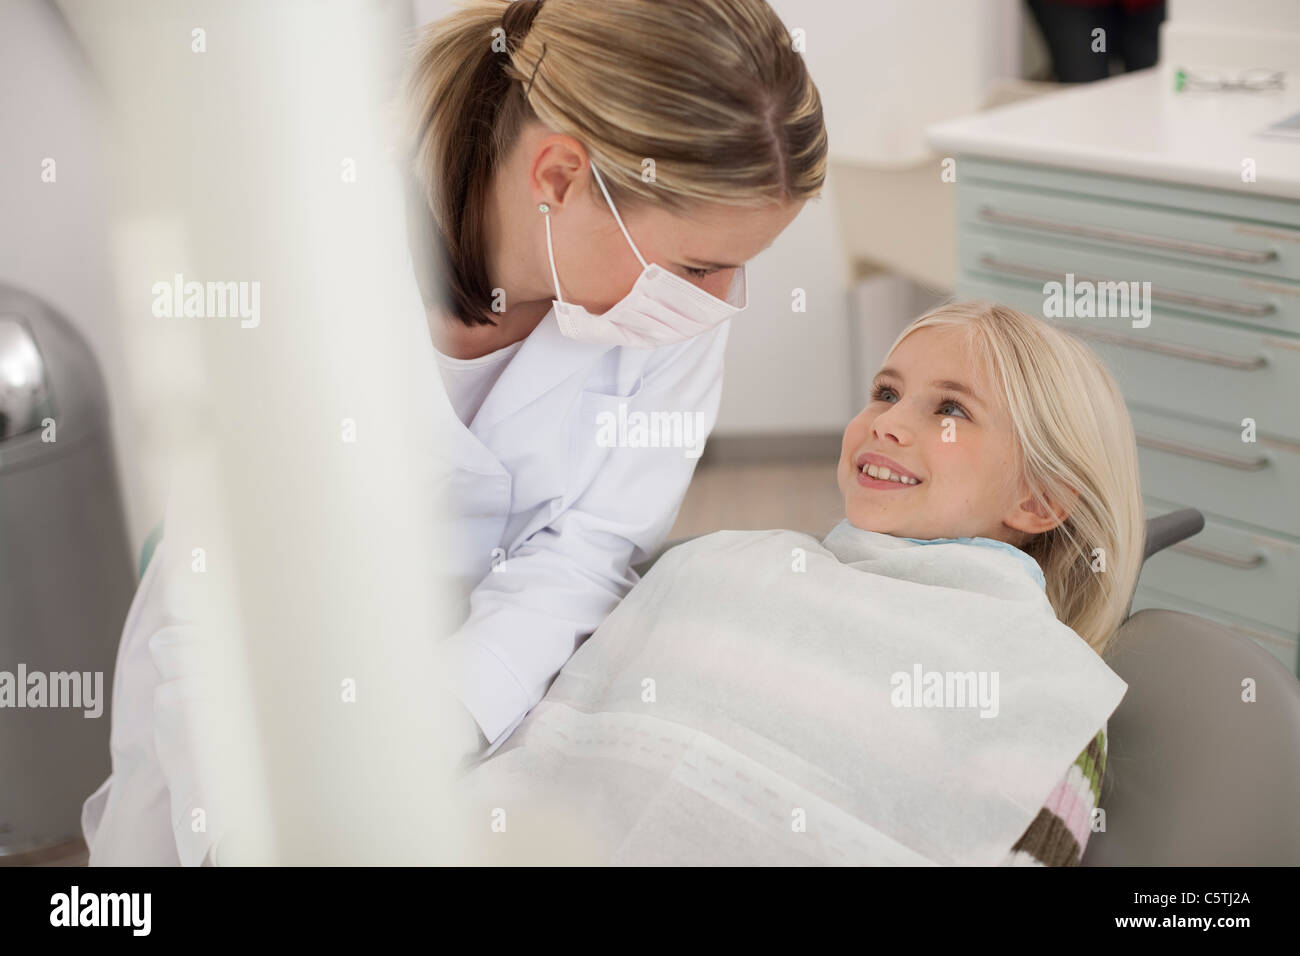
x=465, y=111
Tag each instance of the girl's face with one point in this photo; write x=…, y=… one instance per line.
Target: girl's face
x=935, y=418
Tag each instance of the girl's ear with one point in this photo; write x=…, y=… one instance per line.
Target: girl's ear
x=1031, y=517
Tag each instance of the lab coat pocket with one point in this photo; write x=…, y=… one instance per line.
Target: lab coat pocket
x=594, y=430
x=597, y=406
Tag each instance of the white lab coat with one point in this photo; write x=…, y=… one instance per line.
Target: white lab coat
x=569, y=515
x=140, y=815
x=529, y=482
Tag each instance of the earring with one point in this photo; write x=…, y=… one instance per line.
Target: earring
x=543, y=207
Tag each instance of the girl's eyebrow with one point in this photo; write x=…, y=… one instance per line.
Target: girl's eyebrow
x=946, y=384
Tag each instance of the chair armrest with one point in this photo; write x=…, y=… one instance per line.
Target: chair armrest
x=1171, y=528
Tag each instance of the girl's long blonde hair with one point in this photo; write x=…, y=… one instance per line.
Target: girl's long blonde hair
x=1072, y=433
x=714, y=94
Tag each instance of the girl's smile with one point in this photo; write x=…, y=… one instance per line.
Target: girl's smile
x=879, y=471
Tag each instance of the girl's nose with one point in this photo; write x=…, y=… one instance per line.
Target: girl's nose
x=892, y=425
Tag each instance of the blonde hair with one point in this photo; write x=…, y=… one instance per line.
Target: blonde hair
x=1072, y=434
x=713, y=93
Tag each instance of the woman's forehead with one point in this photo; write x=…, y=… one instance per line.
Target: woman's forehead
x=722, y=235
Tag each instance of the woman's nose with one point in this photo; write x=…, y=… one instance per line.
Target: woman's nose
x=718, y=283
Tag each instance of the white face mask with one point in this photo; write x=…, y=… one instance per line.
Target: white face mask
x=661, y=309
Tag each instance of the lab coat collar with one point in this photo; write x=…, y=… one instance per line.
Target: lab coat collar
x=546, y=359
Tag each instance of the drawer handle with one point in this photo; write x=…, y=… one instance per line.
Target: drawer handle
x=1220, y=557
x=1203, y=454
x=1211, y=303
x=1165, y=348
x=1132, y=238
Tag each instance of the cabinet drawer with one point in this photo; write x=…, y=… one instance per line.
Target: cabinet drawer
x=1123, y=228
x=1272, y=304
x=1285, y=647
x=1249, y=575
x=1246, y=206
x=1191, y=368
x=1213, y=470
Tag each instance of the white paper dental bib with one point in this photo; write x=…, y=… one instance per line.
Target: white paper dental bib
x=755, y=700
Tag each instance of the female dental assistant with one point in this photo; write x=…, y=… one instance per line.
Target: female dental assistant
x=614, y=308
x=589, y=180
x=535, y=487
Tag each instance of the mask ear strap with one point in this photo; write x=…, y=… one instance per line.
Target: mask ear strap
x=617, y=217
x=550, y=252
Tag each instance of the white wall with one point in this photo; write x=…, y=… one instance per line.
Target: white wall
x=886, y=69
x=1243, y=34
x=788, y=371
x=1240, y=14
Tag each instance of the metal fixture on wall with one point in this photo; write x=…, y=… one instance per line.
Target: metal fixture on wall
x=66, y=576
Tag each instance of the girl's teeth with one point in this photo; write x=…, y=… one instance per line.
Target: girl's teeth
x=885, y=474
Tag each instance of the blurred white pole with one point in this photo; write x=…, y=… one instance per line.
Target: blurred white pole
x=252, y=148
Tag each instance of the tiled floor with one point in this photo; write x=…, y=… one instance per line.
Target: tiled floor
x=68, y=854
x=751, y=497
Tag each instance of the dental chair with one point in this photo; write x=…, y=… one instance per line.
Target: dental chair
x=1194, y=775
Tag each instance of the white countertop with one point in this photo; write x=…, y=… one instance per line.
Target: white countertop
x=1135, y=125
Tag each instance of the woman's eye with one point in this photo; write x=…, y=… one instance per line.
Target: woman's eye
x=699, y=273
x=880, y=391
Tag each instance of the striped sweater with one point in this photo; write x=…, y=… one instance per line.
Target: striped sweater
x=1058, y=836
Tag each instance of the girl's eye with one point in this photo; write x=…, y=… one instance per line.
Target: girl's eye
x=953, y=403
x=883, y=393
x=699, y=273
